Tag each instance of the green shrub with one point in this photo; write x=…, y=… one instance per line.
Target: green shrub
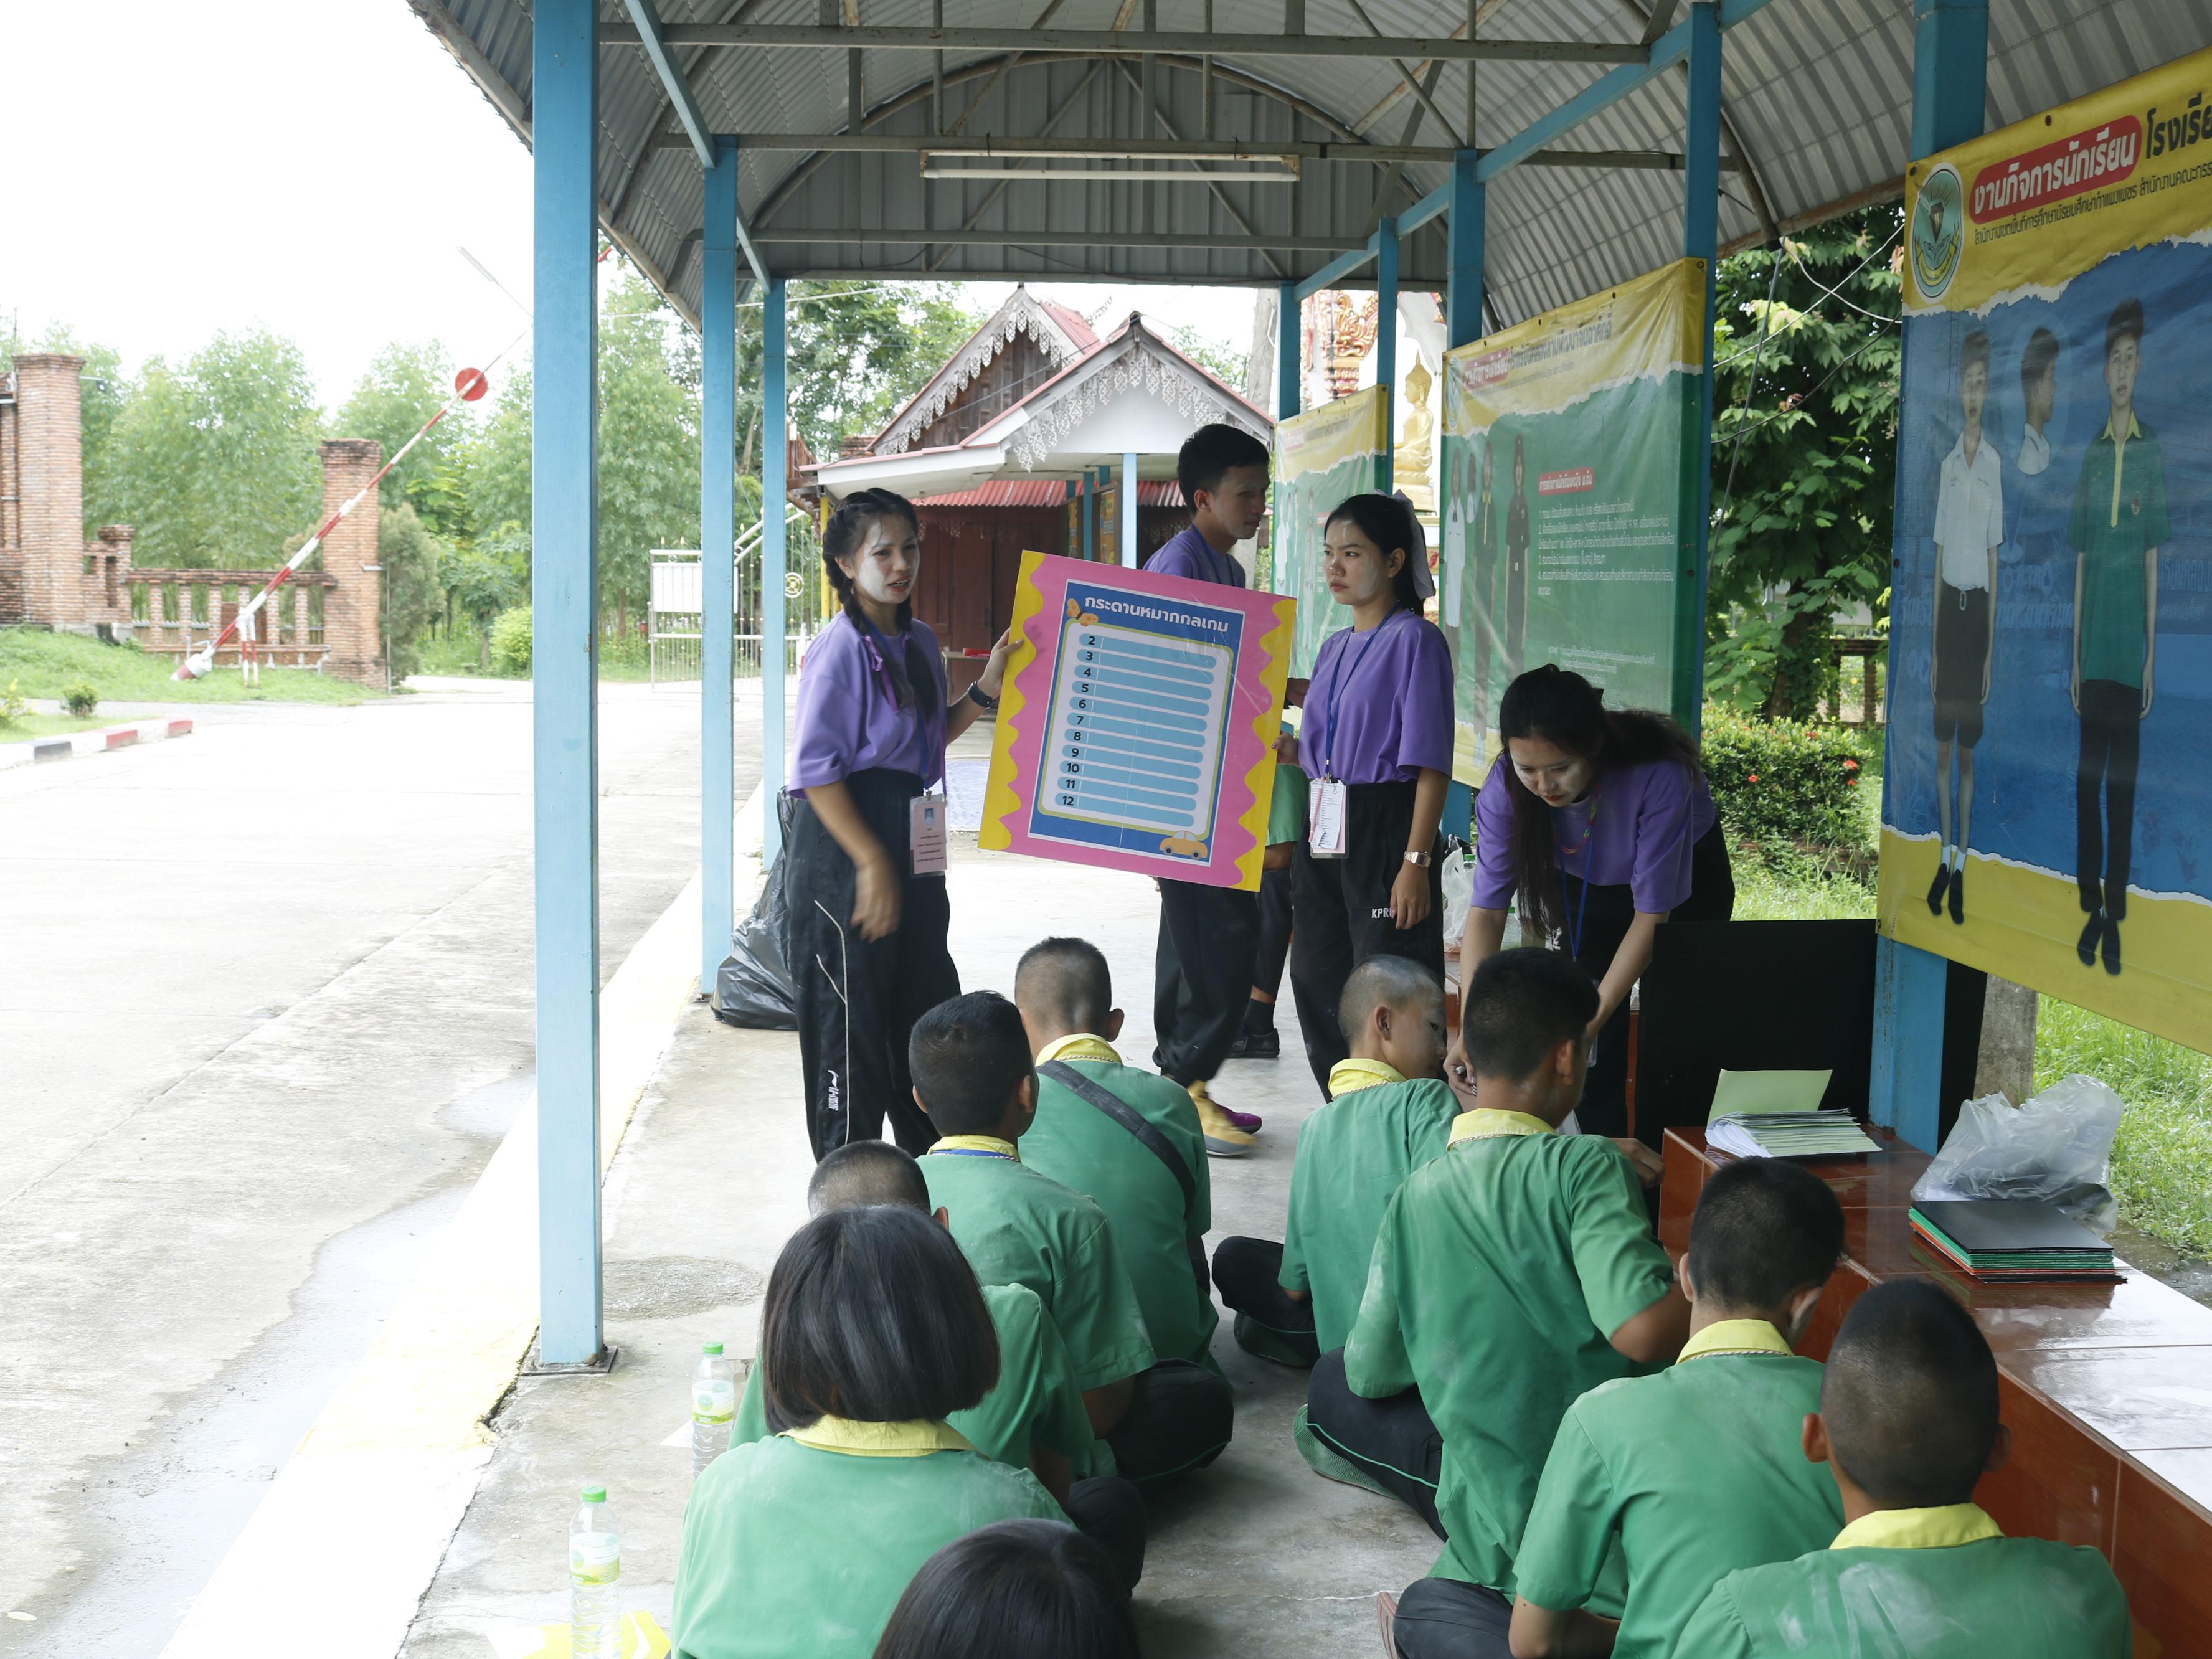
x=510, y=643
x=1798, y=784
x=81, y=697
x=12, y=706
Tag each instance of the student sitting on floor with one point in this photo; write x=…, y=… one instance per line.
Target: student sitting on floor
x=1683, y=1477
x=974, y=1077
x=1389, y=1114
x=1033, y=1418
x=804, y=1543
x=1512, y=1274
x=1128, y=1139
x=1907, y=1425
x=1016, y=1589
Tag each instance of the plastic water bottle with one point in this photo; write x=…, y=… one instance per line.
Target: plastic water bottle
x=714, y=1404
x=594, y=1579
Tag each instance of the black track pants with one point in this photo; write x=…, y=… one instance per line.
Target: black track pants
x=1201, y=976
x=858, y=999
x=1275, y=914
x=1110, y=1512
x=1394, y=1442
x=1444, y=1619
x=1245, y=1272
x=1343, y=907
x=1180, y=1419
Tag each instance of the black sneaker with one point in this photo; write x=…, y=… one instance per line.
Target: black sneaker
x=2092, y=930
x=1935, y=888
x=1257, y=1045
x=2111, y=945
x=1959, y=894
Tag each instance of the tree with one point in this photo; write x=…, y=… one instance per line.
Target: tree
x=402, y=388
x=1224, y=364
x=857, y=351
x=411, y=556
x=216, y=462
x=104, y=388
x=496, y=466
x=1804, y=455
x=649, y=444
x=481, y=585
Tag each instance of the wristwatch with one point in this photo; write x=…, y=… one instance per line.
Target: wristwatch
x=976, y=696
x=1419, y=860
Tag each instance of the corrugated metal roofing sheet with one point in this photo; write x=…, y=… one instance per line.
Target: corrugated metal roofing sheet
x=1817, y=97
x=1047, y=492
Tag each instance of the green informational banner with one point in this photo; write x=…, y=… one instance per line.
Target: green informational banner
x=1570, y=503
x=1321, y=458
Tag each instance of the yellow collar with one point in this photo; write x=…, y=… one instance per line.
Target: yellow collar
x=2135, y=426
x=1347, y=1075
x=990, y=1144
x=917, y=1437
x=1735, y=1336
x=1940, y=1528
x=1078, y=1045
x=1485, y=1123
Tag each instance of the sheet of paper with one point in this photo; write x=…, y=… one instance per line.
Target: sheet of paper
x=1769, y=1091
x=1325, y=811
x=926, y=816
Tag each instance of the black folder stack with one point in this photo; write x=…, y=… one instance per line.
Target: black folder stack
x=2012, y=1239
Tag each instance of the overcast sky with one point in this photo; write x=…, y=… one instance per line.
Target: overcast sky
x=310, y=168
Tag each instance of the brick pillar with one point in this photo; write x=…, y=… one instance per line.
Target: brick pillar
x=352, y=609
x=50, y=477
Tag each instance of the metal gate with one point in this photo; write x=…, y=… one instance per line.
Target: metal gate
x=678, y=598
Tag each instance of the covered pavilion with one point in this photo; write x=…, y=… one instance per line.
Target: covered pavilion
x=1511, y=155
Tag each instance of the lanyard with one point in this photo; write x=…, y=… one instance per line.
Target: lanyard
x=1575, y=917
x=1340, y=683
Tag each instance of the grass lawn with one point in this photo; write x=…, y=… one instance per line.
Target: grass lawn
x=2162, y=1159
x=27, y=726
x=40, y=664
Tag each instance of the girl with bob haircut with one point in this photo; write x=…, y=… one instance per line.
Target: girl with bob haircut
x=1599, y=822
x=873, y=1331
x=1015, y=1590
x=867, y=926
x=1378, y=742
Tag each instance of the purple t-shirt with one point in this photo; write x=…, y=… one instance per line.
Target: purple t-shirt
x=1641, y=821
x=849, y=718
x=1189, y=554
x=1379, y=710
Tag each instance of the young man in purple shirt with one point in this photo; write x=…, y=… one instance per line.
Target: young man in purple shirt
x=1209, y=936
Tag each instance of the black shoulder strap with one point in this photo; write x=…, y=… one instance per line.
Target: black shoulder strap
x=1083, y=1088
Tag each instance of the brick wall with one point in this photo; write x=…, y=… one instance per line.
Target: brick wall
x=49, y=481
x=352, y=621
x=11, y=504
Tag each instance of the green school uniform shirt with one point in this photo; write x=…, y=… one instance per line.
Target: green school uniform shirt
x=1354, y=1154
x=1938, y=1583
x=1080, y=1147
x=1018, y=1226
x=1036, y=1402
x=804, y=1547
x=1687, y=1475
x=1502, y=1269
x=2119, y=514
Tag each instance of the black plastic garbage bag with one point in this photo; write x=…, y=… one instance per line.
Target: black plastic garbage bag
x=754, y=987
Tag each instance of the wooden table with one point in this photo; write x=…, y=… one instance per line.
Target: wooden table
x=2107, y=1388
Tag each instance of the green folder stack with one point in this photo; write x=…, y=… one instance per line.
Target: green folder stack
x=2012, y=1239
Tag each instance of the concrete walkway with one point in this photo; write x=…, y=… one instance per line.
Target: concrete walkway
x=1255, y=1556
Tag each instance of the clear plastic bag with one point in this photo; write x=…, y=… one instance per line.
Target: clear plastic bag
x=2057, y=1147
x=1459, y=887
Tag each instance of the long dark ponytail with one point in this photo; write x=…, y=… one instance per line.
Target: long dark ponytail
x=1562, y=707
x=912, y=686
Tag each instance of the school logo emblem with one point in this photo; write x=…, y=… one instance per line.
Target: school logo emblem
x=1938, y=237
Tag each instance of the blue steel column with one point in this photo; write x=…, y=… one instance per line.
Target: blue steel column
x=1950, y=54
x=717, y=529
x=1386, y=340
x=1463, y=302
x=775, y=457
x=1129, y=511
x=564, y=623
x=1701, y=211
x=1290, y=365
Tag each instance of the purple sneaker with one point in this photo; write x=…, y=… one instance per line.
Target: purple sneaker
x=1248, y=1121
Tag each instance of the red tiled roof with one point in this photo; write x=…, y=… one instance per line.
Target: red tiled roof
x=1071, y=321
x=1047, y=492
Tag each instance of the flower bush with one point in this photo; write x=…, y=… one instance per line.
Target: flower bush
x=1794, y=785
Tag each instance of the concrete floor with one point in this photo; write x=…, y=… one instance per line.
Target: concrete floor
x=266, y=1004
x=1255, y=1556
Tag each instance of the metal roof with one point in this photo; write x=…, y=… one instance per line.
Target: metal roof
x=1817, y=100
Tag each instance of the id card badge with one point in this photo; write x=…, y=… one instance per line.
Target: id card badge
x=926, y=816
x=1325, y=806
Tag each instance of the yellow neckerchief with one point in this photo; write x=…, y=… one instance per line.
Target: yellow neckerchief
x=917, y=1437
x=1734, y=1336
x=1941, y=1528
x=2120, y=458
x=1487, y=1123
x=988, y=1144
x=1078, y=1045
x=1348, y=1075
